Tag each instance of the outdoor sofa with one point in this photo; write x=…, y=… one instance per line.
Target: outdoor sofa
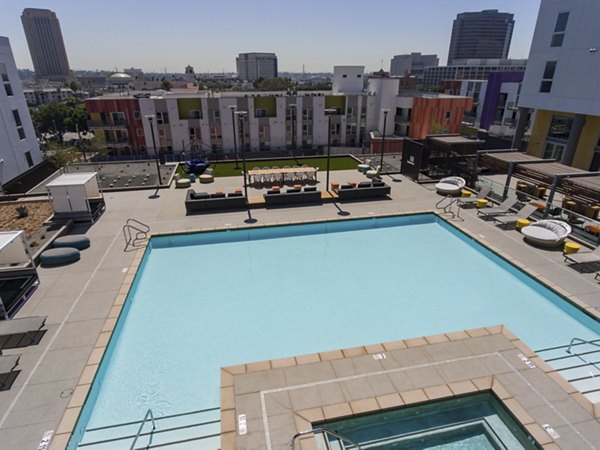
x=364, y=189
x=203, y=201
x=308, y=195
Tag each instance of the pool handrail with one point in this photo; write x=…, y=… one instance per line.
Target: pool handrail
x=581, y=341
x=137, y=435
x=324, y=431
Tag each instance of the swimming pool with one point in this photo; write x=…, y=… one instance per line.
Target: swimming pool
x=207, y=300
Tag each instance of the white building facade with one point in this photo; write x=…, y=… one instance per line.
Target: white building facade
x=561, y=84
x=19, y=149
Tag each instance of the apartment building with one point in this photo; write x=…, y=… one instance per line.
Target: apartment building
x=561, y=84
x=274, y=121
x=470, y=69
x=412, y=64
x=19, y=150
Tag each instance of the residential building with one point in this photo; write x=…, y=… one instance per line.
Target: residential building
x=561, y=84
x=412, y=64
x=46, y=45
x=19, y=150
x=494, y=101
x=470, y=69
x=484, y=35
x=201, y=121
x=43, y=96
x=252, y=66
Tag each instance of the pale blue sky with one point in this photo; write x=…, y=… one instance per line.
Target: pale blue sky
x=154, y=34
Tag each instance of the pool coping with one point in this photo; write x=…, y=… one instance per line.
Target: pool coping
x=75, y=406
x=304, y=419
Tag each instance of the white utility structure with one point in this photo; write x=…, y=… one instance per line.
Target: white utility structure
x=76, y=196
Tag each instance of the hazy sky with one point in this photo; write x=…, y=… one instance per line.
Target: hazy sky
x=208, y=34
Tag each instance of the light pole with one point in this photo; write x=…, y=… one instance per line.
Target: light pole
x=232, y=108
x=241, y=115
x=385, y=114
x=81, y=148
x=329, y=112
x=151, y=118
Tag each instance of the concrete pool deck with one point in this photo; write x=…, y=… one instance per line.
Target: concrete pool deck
x=79, y=298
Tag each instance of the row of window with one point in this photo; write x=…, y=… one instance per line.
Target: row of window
x=5, y=80
x=557, y=40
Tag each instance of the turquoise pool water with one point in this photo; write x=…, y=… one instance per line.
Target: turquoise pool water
x=208, y=300
x=472, y=422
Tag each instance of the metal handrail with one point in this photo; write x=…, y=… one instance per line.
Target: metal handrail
x=324, y=431
x=447, y=209
x=137, y=435
x=582, y=341
x=142, y=232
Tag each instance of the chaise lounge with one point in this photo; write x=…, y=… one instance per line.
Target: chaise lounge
x=511, y=219
x=502, y=208
x=584, y=257
x=25, y=325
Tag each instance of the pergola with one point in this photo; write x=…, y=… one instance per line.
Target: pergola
x=579, y=184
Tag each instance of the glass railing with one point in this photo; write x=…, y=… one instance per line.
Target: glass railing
x=584, y=228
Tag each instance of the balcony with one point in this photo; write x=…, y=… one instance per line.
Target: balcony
x=106, y=124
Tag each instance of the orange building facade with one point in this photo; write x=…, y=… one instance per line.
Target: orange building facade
x=437, y=115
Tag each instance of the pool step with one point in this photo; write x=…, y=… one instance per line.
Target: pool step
x=580, y=367
x=195, y=429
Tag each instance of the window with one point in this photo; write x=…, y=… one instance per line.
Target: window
x=359, y=76
x=344, y=76
x=194, y=114
x=29, y=159
x=19, y=124
x=553, y=151
x=549, y=70
x=560, y=127
x=161, y=132
x=118, y=118
x=162, y=118
x=140, y=132
x=448, y=114
x=559, y=30
x=349, y=111
x=137, y=115
x=260, y=112
x=5, y=81
x=216, y=114
x=307, y=113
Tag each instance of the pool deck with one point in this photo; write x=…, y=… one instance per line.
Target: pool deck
x=79, y=299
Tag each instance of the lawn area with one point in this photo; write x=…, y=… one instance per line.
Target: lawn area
x=227, y=169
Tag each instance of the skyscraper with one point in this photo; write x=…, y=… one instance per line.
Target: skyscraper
x=252, y=66
x=46, y=44
x=484, y=34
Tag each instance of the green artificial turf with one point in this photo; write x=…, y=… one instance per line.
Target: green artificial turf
x=228, y=169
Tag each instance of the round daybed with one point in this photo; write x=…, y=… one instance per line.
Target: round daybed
x=450, y=185
x=548, y=233
x=183, y=183
x=78, y=241
x=61, y=255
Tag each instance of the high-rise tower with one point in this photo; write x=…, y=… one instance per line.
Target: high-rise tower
x=46, y=44
x=482, y=35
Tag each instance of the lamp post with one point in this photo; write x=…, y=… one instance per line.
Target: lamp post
x=151, y=118
x=232, y=108
x=329, y=112
x=241, y=115
x=385, y=114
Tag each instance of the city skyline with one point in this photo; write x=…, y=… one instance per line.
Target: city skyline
x=158, y=38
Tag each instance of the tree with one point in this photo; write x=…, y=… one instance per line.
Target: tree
x=165, y=85
x=59, y=155
x=274, y=84
x=59, y=117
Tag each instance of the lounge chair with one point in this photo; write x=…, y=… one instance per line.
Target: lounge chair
x=483, y=193
x=583, y=258
x=502, y=208
x=25, y=325
x=509, y=219
x=373, y=173
x=547, y=232
x=7, y=365
x=450, y=185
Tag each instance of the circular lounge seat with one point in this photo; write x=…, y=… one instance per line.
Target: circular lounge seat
x=546, y=232
x=450, y=185
x=183, y=183
x=78, y=241
x=61, y=255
